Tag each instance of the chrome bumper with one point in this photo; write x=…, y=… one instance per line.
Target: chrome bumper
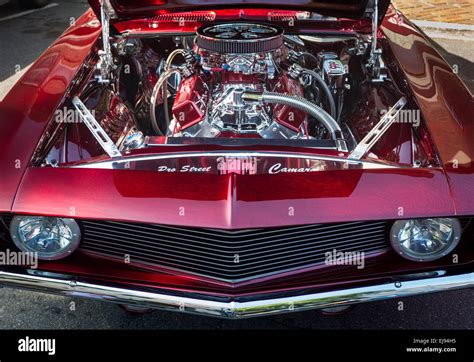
x=234, y=308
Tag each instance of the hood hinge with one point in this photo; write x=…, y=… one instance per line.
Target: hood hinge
x=375, y=64
x=105, y=64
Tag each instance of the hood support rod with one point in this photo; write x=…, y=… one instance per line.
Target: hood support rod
x=94, y=127
x=378, y=131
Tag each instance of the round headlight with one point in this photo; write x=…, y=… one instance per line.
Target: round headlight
x=425, y=239
x=51, y=238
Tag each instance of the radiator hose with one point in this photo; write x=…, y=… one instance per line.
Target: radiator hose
x=161, y=83
x=298, y=103
x=326, y=90
x=168, y=64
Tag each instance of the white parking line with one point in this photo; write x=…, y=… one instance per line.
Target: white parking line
x=27, y=12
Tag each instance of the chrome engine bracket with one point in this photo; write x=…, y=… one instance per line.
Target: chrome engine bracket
x=97, y=131
x=378, y=131
x=375, y=63
x=105, y=64
x=341, y=145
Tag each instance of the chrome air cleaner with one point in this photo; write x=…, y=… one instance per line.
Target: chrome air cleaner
x=239, y=38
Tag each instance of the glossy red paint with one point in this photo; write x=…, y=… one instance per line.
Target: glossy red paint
x=186, y=107
x=295, y=118
x=29, y=106
x=353, y=9
x=242, y=201
x=234, y=201
x=323, y=197
x=444, y=100
x=156, y=24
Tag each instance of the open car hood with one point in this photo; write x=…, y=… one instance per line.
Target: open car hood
x=352, y=9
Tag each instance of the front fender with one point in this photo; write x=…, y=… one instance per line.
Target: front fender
x=28, y=108
x=444, y=100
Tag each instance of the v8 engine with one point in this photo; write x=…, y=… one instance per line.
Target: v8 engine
x=237, y=84
x=242, y=80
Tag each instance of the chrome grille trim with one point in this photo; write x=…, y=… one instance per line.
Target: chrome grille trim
x=211, y=252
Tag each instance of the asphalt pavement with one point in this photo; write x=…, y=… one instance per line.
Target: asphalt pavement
x=23, y=37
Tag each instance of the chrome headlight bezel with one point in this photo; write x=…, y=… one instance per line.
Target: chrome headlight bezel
x=70, y=224
x=446, y=246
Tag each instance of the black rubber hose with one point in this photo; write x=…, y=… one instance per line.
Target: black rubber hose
x=310, y=56
x=325, y=88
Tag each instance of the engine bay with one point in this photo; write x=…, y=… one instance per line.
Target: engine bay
x=237, y=83
x=240, y=80
x=232, y=62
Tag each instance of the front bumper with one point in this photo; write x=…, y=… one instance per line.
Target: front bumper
x=233, y=308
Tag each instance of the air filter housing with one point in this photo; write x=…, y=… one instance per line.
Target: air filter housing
x=239, y=38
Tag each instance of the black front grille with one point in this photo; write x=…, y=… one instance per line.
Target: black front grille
x=231, y=255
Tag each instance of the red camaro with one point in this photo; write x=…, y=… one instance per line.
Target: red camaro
x=238, y=159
